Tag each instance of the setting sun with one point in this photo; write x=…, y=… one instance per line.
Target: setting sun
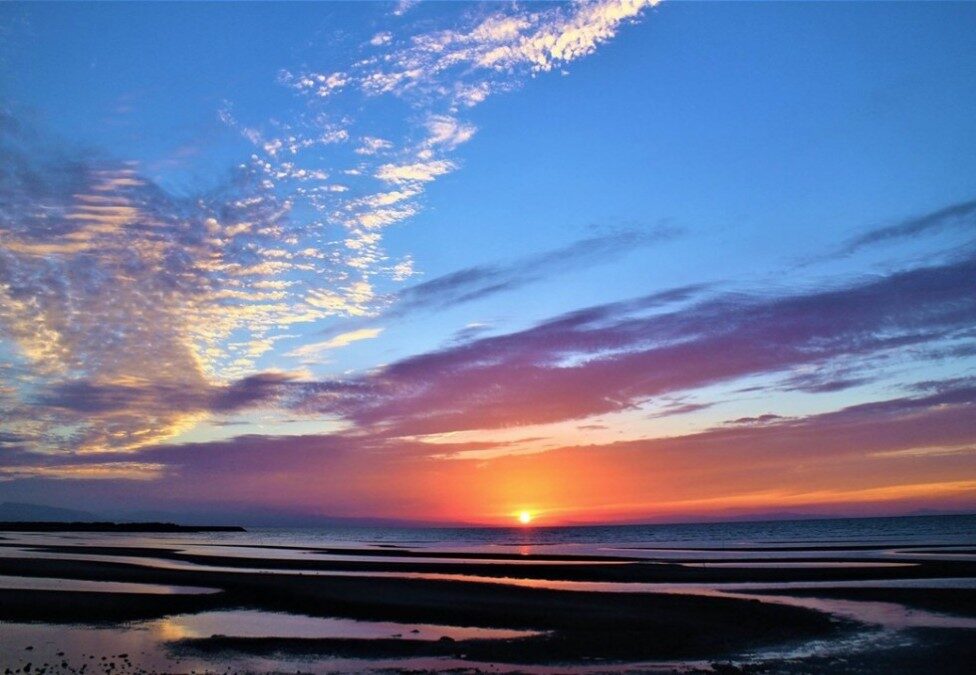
x=525, y=517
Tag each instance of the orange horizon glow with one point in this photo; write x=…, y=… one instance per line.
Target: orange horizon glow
x=651, y=481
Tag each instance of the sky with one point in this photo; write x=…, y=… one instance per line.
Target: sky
x=609, y=261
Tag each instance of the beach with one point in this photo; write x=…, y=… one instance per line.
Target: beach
x=267, y=601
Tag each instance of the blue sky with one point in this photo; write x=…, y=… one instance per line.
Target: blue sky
x=269, y=206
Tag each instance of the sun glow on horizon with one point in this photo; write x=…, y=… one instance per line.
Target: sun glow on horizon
x=525, y=517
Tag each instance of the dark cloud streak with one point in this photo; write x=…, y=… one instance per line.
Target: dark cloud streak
x=610, y=358
x=475, y=283
x=961, y=215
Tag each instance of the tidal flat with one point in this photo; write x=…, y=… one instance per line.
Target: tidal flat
x=266, y=602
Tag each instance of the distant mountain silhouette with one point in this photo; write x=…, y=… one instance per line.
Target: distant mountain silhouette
x=32, y=513
x=61, y=526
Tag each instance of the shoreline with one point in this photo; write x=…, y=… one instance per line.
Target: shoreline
x=688, y=620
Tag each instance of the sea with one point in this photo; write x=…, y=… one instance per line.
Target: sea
x=840, y=532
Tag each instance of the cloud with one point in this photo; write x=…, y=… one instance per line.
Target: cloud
x=860, y=459
x=447, y=131
x=455, y=62
x=145, y=397
x=111, y=287
x=404, y=6
x=370, y=145
x=351, y=299
x=494, y=51
x=758, y=420
x=8, y=440
x=553, y=39
x=678, y=408
x=822, y=378
x=205, y=286
x=470, y=332
x=341, y=340
x=961, y=215
x=319, y=84
x=416, y=172
x=139, y=471
x=612, y=358
x=381, y=38
x=473, y=283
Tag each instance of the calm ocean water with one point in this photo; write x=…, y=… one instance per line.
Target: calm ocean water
x=843, y=532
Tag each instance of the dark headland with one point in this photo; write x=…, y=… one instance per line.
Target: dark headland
x=113, y=527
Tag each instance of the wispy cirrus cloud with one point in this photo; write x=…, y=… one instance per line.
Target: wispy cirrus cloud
x=473, y=283
x=961, y=215
x=373, y=179
x=481, y=56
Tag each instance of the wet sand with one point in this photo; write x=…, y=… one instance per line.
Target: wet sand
x=691, y=622
x=594, y=624
x=590, y=568
x=955, y=601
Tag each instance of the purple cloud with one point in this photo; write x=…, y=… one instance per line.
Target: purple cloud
x=612, y=357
